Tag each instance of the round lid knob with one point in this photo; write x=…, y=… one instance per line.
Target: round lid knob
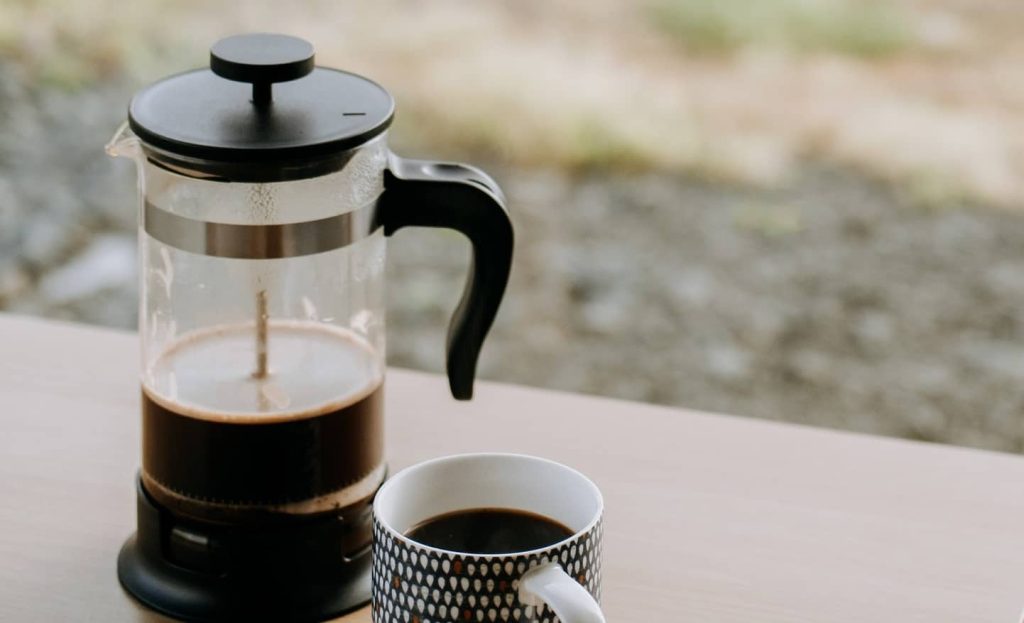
x=261, y=59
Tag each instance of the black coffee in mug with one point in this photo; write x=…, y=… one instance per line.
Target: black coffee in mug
x=489, y=531
x=447, y=544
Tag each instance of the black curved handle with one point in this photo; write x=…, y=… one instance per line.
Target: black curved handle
x=460, y=197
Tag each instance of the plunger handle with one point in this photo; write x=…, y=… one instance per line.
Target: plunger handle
x=262, y=59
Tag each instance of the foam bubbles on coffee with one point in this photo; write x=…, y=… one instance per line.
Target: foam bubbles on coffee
x=314, y=368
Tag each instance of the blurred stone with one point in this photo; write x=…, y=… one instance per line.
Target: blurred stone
x=10, y=217
x=46, y=241
x=874, y=329
x=691, y=287
x=997, y=357
x=811, y=366
x=766, y=326
x=605, y=314
x=928, y=377
x=107, y=263
x=1006, y=276
x=728, y=363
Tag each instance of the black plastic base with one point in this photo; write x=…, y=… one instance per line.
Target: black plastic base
x=207, y=572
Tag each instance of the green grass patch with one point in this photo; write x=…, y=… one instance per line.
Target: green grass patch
x=768, y=219
x=861, y=28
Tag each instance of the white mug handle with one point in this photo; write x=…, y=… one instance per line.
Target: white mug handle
x=565, y=596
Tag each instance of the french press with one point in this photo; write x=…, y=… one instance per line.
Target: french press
x=266, y=193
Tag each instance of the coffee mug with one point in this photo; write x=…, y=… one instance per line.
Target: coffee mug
x=417, y=583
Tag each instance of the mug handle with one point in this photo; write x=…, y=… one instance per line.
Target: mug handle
x=456, y=196
x=565, y=596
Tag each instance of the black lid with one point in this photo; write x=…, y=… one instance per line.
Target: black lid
x=262, y=112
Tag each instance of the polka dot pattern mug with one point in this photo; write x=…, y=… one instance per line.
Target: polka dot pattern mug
x=416, y=583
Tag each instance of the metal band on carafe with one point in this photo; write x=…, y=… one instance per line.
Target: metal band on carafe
x=259, y=242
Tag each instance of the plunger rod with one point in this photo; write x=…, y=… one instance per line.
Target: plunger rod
x=261, y=334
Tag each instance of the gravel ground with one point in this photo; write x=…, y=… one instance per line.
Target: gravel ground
x=830, y=302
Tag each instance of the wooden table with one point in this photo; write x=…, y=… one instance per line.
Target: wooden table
x=709, y=518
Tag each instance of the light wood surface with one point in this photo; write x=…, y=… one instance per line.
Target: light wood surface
x=709, y=518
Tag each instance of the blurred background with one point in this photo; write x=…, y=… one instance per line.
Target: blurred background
x=800, y=210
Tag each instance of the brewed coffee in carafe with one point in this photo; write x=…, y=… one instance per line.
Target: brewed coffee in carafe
x=302, y=437
x=267, y=193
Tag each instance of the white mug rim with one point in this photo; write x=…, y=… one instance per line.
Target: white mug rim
x=407, y=542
